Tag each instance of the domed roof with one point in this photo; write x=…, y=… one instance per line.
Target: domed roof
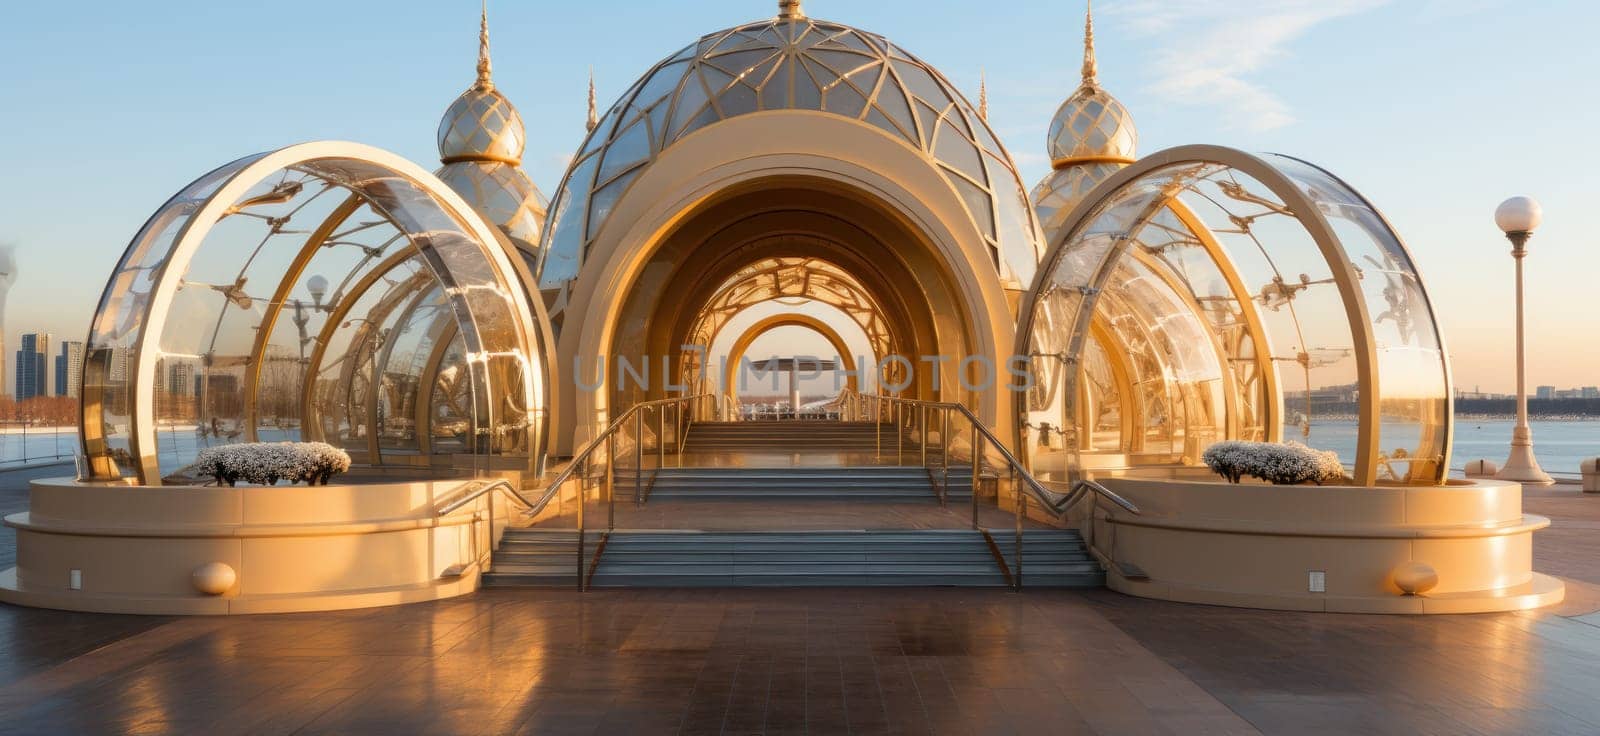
x=480, y=143
x=482, y=125
x=1091, y=125
x=790, y=62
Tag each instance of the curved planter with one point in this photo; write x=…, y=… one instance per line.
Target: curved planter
x=1259, y=546
x=192, y=550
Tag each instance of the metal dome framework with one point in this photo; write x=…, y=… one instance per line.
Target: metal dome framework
x=792, y=63
x=422, y=345
x=1205, y=294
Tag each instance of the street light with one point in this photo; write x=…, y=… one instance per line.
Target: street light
x=1518, y=217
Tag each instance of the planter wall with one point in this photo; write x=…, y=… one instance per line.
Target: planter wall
x=295, y=548
x=1257, y=546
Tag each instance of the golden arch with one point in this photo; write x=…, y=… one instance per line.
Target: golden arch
x=730, y=373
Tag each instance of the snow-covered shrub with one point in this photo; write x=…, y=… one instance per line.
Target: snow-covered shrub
x=266, y=463
x=1287, y=464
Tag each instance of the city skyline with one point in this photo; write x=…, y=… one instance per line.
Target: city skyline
x=1385, y=132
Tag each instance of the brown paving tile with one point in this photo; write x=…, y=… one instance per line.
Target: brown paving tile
x=813, y=661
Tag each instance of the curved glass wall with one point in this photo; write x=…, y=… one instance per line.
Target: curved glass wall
x=792, y=64
x=311, y=293
x=1209, y=294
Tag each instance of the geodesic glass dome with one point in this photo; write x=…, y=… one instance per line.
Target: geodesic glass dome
x=791, y=63
x=1206, y=294
x=325, y=291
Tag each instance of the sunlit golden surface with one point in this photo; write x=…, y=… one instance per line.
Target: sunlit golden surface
x=827, y=661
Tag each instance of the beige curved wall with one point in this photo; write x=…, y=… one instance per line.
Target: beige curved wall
x=1254, y=546
x=781, y=145
x=293, y=548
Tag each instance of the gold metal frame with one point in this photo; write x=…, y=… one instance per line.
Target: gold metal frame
x=201, y=216
x=1345, y=276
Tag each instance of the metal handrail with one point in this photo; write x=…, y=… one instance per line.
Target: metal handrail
x=1052, y=500
x=480, y=491
x=1084, y=485
x=1056, y=503
x=582, y=457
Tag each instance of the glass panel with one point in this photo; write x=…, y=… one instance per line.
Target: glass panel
x=1413, y=399
x=977, y=201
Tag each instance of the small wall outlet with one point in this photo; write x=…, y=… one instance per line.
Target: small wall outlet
x=1318, y=581
x=75, y=580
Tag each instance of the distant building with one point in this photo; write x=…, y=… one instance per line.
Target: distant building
x=118, y=369
x=1591, y=392
x=1545, y=392
x=33, y=377
x=69, y=369
x=179, y=378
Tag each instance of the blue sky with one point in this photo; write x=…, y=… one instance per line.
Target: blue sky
x=1435, y=109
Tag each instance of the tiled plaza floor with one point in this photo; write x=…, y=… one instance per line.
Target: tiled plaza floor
x=818, y=661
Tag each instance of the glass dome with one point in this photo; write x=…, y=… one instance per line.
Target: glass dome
x=326, y=291
x=792, y=63
x=481, y=141
x=1091, y=137
x=1206, y=294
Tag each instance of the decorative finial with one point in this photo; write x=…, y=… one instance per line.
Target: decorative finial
x=594, y=109
x=983, y=95
x=484, y=67
x=790, y=10
x=1091, y=71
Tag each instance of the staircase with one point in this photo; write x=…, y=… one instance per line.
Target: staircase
x=867, y=558
x=789, y=436
x=859, y=483
x=536, y=558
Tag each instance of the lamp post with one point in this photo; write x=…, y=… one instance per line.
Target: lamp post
x=1518, y=217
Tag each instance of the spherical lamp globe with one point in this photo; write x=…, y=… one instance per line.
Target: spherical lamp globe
x=1518, y=215
x=318, y=286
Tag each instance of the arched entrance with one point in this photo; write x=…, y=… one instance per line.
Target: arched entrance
x=713, y=204
x=741, y=344
x=812, y=128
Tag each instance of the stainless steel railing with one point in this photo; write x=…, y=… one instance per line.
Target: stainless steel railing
x=918, y=416
x=683, y=413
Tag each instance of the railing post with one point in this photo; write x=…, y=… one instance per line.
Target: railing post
x=1022, y=512
x=611, y=495
x=974, y=454
x=582, y=500
x=877, y=428
x=661, y=436
x=638, y=459
x=922, y=421
x=899, y=432
x=944, y=458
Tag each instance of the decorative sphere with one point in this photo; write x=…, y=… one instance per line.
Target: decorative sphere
x=1518, y=215
x=1415, y=578
x=214, y=578
x=317, y=285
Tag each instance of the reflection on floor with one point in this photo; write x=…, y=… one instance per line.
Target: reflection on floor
x=820, y=660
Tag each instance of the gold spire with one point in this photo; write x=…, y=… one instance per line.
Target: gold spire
x=1091, y=71
x=790, y=10
x=983, y=95
x=485, y=69
x=594, y=109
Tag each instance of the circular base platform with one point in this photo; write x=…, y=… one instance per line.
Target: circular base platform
x=1324, y=548
x=117, y=548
